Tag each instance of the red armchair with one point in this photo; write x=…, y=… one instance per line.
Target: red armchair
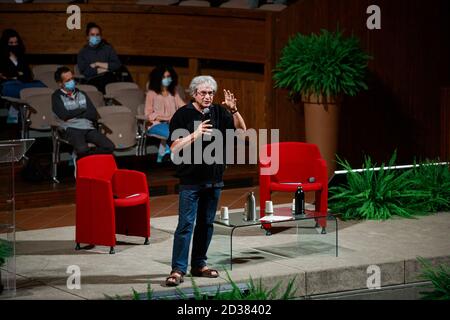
x=297, y=163
x=110, y=201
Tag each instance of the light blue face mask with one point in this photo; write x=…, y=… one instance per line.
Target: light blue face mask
x=70, y=85
x=94, y=40
x=166, y=81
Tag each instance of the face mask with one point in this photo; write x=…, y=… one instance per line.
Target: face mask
x=69, y=85
x=166, y=81
x=94, y=40
x=15, y=50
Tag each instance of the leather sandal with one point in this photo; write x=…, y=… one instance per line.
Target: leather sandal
x=206, y=273
x=175, y=278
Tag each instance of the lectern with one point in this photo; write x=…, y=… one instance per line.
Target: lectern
x=11, y=151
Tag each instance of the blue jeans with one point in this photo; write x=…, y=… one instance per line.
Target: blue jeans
x=160, y=131
x=11, y=88
x=200, y=205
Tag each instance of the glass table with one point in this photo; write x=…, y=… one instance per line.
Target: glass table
x=281, y=215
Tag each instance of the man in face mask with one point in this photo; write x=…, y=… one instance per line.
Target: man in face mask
x=97, y=60
x=76, y=116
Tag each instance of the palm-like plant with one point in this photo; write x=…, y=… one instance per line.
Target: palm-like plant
x=253, y=292
x=440, y=280
x=377, y=195
x=325, y=64
x=435, y=179
x=5, y=251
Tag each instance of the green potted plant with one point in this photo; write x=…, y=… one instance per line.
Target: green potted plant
x=322, y=68
x=5, y=252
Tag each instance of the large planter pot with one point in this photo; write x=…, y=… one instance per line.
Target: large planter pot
x=321, y=126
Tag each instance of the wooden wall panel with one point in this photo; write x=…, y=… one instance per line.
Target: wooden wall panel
x=142, y=32
x=401, y=109
x=445, y=124
x=140, y=75
x=248, y=89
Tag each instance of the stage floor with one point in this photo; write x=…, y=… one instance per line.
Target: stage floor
x=44, y=254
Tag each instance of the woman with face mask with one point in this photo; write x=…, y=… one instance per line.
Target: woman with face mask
x=15, y=73
x=98, y=60
x=161, y=103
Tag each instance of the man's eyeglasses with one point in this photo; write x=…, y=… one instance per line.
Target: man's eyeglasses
x=204, y=93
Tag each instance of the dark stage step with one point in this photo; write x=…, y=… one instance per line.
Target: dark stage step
x=160, y=177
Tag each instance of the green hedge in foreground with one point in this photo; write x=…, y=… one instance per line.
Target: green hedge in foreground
x=382, y=194
x=440, y=280
x=252, y=292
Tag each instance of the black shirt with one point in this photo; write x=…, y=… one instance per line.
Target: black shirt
x=203, y=173
x=21, y=71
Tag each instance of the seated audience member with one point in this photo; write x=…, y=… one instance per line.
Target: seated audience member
x=98, y=60
x=161, y=103
x=76, y=115
x=15, y=73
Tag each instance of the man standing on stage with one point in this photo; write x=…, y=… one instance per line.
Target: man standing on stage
x=200, y=183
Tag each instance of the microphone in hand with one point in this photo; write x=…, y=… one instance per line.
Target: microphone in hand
x=207, y=115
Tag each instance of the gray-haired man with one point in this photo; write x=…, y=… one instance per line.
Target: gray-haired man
x=200, y=183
